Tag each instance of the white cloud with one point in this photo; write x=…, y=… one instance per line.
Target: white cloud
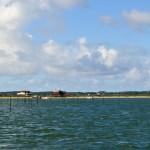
x=11, y=49
x=133, y=74
x=10, y=15
x=28, y=35
x=68, y=3
x=16, y=47
x=108, y=56
x=83, y=48
x=16, y=13
x=77, y=57
x=55, y=53
x=137, y=19
x=79, y=60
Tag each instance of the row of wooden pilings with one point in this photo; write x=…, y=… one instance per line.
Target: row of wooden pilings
x=25, y=99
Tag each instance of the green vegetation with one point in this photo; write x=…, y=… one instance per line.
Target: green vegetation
x=83, y=94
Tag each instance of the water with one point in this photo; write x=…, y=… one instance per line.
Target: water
x=75, y=124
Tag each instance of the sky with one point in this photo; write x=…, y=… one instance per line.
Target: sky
x=75, y=45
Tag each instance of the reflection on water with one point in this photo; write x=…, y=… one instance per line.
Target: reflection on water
x=75, y=124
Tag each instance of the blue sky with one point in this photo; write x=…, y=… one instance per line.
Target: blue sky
x=74, y=45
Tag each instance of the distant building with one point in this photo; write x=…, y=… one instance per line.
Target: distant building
x=58, y=93
x=100, y=93
x=24, y=93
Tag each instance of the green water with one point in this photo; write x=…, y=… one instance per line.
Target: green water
x=75, y=124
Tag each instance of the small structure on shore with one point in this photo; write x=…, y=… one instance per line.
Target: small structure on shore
x=23, y=93
x=58, y=93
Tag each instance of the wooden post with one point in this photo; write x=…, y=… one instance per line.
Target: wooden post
x=31, y=102
x=37, y=99
x=10, y=103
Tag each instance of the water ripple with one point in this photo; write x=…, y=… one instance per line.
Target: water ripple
x=75, y=124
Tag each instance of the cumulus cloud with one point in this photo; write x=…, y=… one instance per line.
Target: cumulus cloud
x=77, y=58
x=12, y=45
x=10, y=15
x=16, y=47
x=108, y=57
x=80, y=60
x=83, y=48
x=137, y=19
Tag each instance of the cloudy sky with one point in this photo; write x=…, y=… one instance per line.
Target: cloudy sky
x=74, y=45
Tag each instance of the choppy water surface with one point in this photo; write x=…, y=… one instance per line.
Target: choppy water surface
x=75, y=124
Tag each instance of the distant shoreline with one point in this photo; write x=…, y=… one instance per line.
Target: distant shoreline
x=74, y=97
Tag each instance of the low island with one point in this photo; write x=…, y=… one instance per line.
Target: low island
x=73, y=95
